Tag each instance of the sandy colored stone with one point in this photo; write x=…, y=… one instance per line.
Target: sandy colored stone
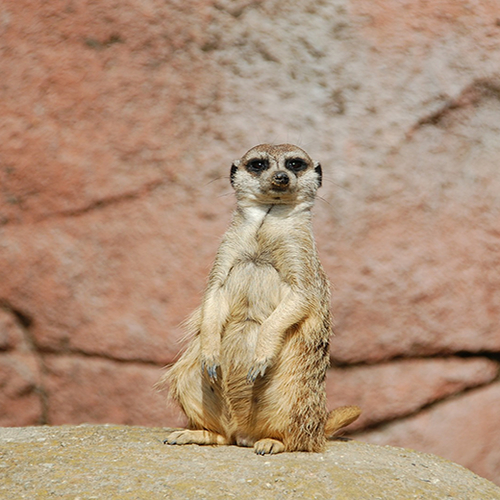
x=96, y=390
x=392, y=390
x=128, y=462
x=464, y=429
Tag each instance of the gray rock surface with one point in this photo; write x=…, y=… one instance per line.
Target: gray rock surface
x=108, y=461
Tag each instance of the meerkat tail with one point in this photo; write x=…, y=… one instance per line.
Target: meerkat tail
x=341, y=417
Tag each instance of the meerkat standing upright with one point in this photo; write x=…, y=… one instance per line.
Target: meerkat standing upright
x=254, y=373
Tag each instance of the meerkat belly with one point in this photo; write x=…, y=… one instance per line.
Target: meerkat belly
x=253, y=291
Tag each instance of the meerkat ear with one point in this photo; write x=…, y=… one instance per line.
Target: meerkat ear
x=234, y=168
x=317, y=169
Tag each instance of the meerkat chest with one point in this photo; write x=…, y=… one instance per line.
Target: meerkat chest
x=265, y=250
x=254, y=289
x=255, y=284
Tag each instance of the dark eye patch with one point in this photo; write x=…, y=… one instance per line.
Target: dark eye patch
x=295, y=165
x=256, y=166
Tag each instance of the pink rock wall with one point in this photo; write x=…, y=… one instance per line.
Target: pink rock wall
x=119, y=121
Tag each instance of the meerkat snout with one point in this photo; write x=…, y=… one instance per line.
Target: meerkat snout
x=280, y=180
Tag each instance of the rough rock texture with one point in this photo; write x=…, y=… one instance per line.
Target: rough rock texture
x=464, y=429
x=119, y=121
x=98, y=390
x=130, y=463
x=392, y=390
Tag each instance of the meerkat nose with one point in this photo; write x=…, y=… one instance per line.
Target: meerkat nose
x=281, y=179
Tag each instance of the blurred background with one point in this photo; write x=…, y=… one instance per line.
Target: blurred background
x=118, y=124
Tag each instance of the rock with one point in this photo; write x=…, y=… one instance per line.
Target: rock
x=21, y=387
x=407, y=220
x=71, y=141
x=119, y=272
x=438, y=241
x=11, y=335
x=96, y=390
x=464, y=429
x=391, y=390
x=20, y=400
x=132, y=462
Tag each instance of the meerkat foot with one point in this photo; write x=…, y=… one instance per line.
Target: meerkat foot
x=341, y=417
x=211, y=365
x=268, y=447
x=186, y=436
x=256, y=370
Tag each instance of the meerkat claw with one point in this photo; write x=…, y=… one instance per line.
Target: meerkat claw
x=251, y=376
x=258, y=369
x=211, y=369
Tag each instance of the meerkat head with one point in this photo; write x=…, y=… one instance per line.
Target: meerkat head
x=282, y=174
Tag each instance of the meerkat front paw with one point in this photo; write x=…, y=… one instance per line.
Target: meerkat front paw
x=257, y=369
x=211, y=364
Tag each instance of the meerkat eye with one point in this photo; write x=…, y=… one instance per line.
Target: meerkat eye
x=295, y=164
x=257, y=166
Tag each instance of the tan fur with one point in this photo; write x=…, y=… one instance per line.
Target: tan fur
x=254, y=372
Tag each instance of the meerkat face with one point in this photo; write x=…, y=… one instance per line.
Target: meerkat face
x=282, y=174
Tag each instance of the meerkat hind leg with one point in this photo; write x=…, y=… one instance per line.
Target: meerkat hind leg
x=268, y=446
x=187, y=436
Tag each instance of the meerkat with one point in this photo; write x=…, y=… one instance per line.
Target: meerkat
x=254, y=371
